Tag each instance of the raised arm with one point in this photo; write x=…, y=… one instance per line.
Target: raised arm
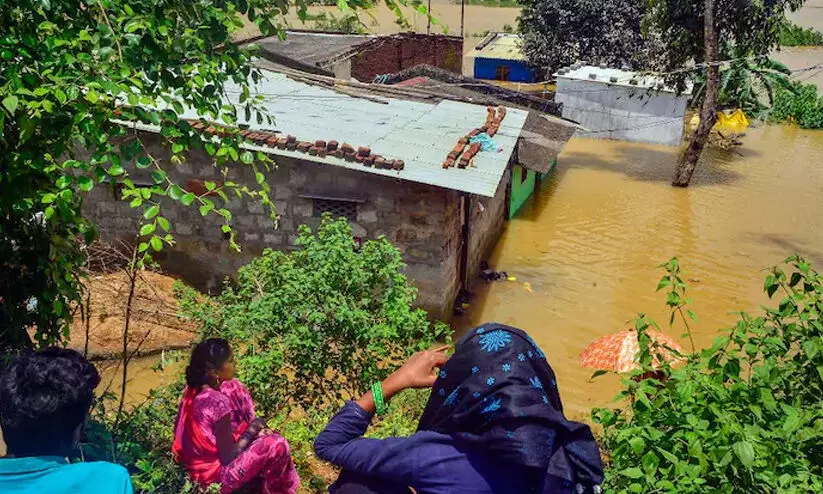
x=342, y=441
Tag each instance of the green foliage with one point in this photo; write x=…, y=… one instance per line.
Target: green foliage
x=750, y=27
x=310, y=328
x=323, y=310
x=71, y=74
x=748, y=83
x=346, y=23
x=793, y=35
x=802, y=105
x=557, y=33
x=745, y=415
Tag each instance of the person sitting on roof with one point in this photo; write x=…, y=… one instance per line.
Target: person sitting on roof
x=45, y=398
x=217, y=437
x=494, y=423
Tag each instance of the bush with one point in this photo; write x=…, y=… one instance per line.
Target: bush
x=310, y=328
x=801, y=105
x=319, y=324
x=793, y=35
x=745, y=415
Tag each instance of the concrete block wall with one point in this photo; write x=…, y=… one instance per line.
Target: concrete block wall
x=387, y=55
x=486, y=225
x=420, y=220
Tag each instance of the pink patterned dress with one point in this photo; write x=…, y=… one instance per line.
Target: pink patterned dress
x=265, y=463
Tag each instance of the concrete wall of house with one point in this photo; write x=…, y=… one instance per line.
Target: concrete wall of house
x=523, y=182
x=623, y=112
x=422, y=221
x=519, y=71
x=486, y=224
x=393, y=54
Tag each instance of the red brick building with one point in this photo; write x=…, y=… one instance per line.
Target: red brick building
x=362, y=57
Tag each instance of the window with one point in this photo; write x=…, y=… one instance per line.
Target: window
x=501, y=72
x=337, y=208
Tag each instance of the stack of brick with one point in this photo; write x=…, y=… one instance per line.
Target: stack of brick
x=464, y=152
x=319, y=148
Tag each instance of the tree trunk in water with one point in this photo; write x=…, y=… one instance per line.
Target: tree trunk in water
x=708, y=111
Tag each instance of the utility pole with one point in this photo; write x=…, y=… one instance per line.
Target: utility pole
x=462, y=17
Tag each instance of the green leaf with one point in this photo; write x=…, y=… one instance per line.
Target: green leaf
x=143, y=162
x=637, y=444
x=115, y=170
x=796, y=277
x=177, y=148
x=175, y=192
x=156, y=243
x=10, y=102
x=48, y=198
x=151, y=212
x=770, y=285
x=92, y=96
x=85, y=183
x=259, y=177
x=147, y=229
x=63, y=182
x=210, y=186
x=745, y=453
x=187, y=199
x=142, y=247
x=206, y=208
x=163, y=222
x=247, y=158
x=599, y=373
x=225, y=228
x=632, y=473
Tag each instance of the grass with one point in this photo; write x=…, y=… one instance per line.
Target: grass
x=793, y=35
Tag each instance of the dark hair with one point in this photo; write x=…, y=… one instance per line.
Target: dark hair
x=209, y=355
x=44, y=398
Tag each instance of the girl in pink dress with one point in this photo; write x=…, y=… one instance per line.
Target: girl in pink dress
x=217, y=437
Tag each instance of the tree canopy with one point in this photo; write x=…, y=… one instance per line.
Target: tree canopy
x=557, y=33
x=71, y=72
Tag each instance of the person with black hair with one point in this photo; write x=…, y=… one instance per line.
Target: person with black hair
x=45, y=398
x=217, y=437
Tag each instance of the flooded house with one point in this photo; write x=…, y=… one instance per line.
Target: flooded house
x=622, y=105
x=394, y=160
x=500, y=57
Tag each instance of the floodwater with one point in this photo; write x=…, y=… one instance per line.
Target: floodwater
x=585, y=250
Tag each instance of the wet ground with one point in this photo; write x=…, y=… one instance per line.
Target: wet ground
x=585, y=251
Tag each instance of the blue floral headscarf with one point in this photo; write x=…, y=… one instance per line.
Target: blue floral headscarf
x=497, y=394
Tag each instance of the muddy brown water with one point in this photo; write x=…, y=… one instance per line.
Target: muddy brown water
x=585, y=251
x=588, y=245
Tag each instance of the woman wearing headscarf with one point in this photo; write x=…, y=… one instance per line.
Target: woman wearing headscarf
x=494, y=423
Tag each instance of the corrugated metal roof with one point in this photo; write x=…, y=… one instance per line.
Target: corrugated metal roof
x=617, y=77
x=502, y=47
x=421, y=134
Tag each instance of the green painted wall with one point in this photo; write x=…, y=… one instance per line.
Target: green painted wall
x=522, y=188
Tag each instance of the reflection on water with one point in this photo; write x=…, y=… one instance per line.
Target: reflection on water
x=588, y=246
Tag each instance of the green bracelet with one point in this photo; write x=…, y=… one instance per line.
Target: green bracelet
x=377, y=395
